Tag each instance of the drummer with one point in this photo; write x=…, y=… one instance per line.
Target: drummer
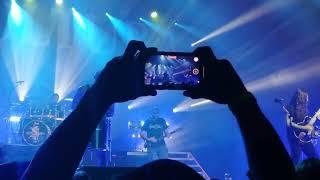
x=53, y=108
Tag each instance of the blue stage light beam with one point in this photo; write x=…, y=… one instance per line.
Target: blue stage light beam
x=24, y=49
x=90, y=46
x=305, y=70
x=139, y=102
x=246, y=18
x=191, y=30
x=310, y=68
x=78, y=18
x=188, y=105
x=15, y=12
x=125, y=31
x=154, y=26
x=59, y=2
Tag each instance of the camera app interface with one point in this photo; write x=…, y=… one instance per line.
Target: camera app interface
x=162, y=70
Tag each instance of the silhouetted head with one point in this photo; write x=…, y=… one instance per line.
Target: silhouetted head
x=164, y=169
x=155, y=112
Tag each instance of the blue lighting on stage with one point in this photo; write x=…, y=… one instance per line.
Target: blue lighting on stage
x=52, y=47
x=154, y=26
x=124, y=30
x=91, y=46
x=14, y=118
x=16, y=13
x=59, y=2
x=189, y=29
x=142, y=123
x=78, y=18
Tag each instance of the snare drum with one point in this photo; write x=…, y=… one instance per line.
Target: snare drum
x=35, y=132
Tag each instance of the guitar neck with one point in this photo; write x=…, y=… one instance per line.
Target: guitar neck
x=314, y=118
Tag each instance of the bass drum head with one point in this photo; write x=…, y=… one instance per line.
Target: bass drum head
x=35, y=133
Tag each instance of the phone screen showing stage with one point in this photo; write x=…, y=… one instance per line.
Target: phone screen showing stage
x=172, y=71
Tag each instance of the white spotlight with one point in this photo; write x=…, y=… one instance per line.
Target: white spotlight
x=142, y=122
x=201, y=103
x=59, y=2
x=15, y=119
x=175, y=110
x=250, y=16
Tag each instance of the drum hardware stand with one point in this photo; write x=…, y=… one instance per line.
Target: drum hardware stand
x=108, y=141
x=13, y=134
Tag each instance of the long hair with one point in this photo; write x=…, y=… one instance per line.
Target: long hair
x=298, y=106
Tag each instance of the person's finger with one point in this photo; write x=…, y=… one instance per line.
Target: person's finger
x=205, y=53
x=143, y=55
x=132, y=48
x=193, y=94
x=149, y=92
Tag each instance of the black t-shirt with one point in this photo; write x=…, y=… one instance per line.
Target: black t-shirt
x=155, y=127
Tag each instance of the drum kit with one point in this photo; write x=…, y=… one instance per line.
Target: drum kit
x=35, y=123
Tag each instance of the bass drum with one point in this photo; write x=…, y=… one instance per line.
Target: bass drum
x=35, y=132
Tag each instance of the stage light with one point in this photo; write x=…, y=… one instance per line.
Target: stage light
x=139, y=102
x=189, y=29
x=133, y=136
x=78, y=18
x=308, y=69
x=201, y=103
x=183, y=106
x=155, y=26
x=140, y=19
x=195, y=59
x=14, y=118
x=154, y=14
x=15, y=12
x=141, y=123
x=124, y=30
x=88, y=43
x=250, y=16
x=190, y=104
x=23, y=61
x=167, y=123
x=59, y=2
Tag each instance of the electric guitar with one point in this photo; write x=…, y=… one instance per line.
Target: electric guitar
x=305, y=130
x=149, y=143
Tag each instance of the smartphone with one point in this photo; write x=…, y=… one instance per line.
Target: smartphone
x=173, y=70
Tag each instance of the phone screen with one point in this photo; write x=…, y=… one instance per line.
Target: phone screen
x=172, y=71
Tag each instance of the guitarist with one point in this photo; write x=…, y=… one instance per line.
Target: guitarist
x=153, y=132
x=297, y=111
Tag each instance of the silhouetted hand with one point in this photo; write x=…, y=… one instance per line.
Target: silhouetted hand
x=122, y=79
x=221, y=84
